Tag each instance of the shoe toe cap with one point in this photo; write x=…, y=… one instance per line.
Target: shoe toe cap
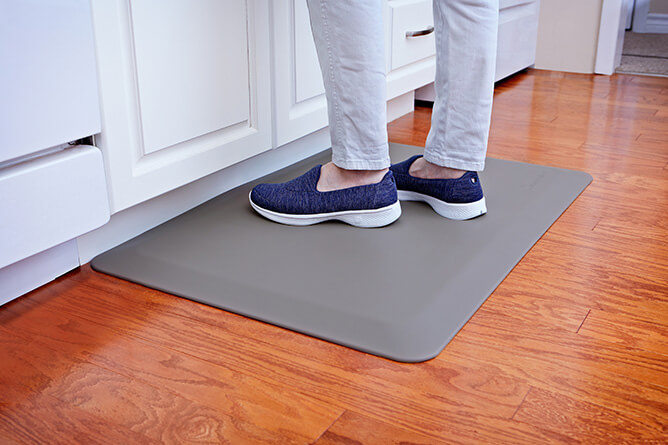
x=261, y=196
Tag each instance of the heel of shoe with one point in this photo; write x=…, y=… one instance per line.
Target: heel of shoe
x=373, y=218
x=461, y=212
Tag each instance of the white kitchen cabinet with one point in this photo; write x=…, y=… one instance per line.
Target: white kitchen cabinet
x=518, y=29
x=185, y=91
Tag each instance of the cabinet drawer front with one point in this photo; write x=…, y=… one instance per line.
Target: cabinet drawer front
x=49, y=200
x=411, y=16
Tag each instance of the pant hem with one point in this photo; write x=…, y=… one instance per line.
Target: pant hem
x=459, y=164
x=361, y=164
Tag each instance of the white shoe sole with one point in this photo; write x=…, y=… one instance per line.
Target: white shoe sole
x=358, y=218
x=448, y=210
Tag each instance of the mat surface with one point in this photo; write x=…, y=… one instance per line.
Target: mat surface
x=401, y=291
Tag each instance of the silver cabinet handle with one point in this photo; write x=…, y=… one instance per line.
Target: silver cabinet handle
x=423, y=32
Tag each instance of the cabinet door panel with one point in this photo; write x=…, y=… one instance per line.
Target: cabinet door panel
x=308, y=76
x=192, y=68
x=185, y=88
x=300, y=104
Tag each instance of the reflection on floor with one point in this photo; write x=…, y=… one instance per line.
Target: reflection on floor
x=645, y=54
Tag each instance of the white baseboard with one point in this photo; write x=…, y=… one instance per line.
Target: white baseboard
x=136, y=220
x=657, y=23
x=37, y=270
x=427, y=93
x=400, y=106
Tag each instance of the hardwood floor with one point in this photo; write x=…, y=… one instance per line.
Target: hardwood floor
x=571, y=347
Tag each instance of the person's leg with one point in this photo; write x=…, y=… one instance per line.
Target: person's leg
x=466, y=40
x=446, y=176
x=349, y=38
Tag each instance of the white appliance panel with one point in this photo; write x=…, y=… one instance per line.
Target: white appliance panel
x=48, y=81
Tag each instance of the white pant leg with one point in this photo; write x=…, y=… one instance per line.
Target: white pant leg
x=349, y=38
x=466, y=38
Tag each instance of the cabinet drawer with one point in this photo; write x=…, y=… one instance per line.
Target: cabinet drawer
x=49, y=200
x=411, y=15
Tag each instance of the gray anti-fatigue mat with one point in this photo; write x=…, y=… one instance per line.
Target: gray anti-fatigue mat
x=401, y=292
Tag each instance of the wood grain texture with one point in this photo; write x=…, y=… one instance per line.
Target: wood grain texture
x=151, y=410
x=247, y=407
x=627, y=331
x=571, y=347
x=27, y=418
x=355, y=429
x=577, y=419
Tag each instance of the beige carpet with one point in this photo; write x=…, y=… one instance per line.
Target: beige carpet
x=645, y=54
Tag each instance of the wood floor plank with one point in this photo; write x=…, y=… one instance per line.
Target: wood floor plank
x=573, y=272
x=525, y=305
x=635, y=157
x=581, y=419
x=564, y=369
x=151, y=410
x=33, y=418
x=628, y=331
x=578, y=351
x=353, y=428
x=250, y=401
x=649, y=237
x=629, y=263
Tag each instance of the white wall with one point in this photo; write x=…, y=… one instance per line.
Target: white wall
x=658, y=6
x=568, y=35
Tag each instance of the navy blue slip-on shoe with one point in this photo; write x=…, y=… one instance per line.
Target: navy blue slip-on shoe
x=298, y=202
x=460, y=198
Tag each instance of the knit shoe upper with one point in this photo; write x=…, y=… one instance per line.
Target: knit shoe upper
x=300, y=196
x=457, y=191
